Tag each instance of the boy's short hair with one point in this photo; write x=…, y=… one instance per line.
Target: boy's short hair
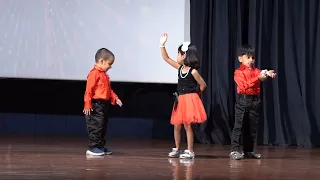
x=104, y=54
x=246, y=50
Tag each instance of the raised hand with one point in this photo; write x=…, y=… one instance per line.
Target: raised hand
x=163, y=39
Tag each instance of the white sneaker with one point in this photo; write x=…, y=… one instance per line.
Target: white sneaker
x=187, y=154
x=174, y=153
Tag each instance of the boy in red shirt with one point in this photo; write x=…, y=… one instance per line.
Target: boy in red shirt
x=247, y=107
x=97, y=99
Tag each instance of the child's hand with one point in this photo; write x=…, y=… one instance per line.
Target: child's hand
x=163, y=39
x=271, y=74
x=87, y=111
x=118, y=101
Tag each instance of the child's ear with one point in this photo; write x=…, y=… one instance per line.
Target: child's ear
x=100, y=61
x=240, y=59
x=184, y=56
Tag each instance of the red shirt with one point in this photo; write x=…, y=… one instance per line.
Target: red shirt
x=98, y=87
x=247, y=80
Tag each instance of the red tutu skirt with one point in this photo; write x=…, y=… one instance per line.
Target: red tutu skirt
x=188, y=110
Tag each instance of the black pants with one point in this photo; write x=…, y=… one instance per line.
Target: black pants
x=247, y=111
x=97, y=123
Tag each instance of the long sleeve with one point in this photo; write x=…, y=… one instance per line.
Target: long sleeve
x=114, y=97
x=91, y=81
x=245, y=83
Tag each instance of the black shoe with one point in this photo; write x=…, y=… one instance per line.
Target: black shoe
x=252, y=155
x=236, y=155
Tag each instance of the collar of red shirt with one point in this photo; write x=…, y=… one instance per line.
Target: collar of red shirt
x=101, y=70
x=98, y=68
x=244, y=67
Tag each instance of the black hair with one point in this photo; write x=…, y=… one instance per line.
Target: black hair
x=246, y=50
x=104, y=53
x=192, y=57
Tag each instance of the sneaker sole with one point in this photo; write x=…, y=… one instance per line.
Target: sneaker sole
x=173, y=156
x=108, y=153
x=240, y=158
x=94, y=154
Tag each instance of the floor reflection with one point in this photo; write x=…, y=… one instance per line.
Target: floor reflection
x=181, y=168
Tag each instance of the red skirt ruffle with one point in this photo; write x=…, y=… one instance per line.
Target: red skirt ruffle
x=189, y=110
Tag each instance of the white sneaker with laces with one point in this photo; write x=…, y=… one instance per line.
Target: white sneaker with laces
x=187, y=154
x=174, y=153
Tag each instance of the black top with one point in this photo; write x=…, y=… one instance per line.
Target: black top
x=186, y=82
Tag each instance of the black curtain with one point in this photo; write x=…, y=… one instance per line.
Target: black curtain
x=286, y=35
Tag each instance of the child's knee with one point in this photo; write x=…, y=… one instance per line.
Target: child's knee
x=187, y=127
x=177, y=127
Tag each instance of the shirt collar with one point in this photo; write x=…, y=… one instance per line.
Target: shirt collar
x=244, y=67
x=98, y=68
x=101, y=70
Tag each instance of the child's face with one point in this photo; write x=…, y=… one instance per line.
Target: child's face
x=106, y=64
x=246, y=60
x=180, y=58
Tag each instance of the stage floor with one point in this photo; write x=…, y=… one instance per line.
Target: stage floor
x=134, y=159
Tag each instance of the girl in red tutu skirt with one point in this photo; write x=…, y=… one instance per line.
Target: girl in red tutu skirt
x=188, y=108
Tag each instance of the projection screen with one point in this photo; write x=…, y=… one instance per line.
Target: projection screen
x=57, y=39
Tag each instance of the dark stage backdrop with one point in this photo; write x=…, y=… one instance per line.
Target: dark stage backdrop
x=286, y=34
x=54, y=108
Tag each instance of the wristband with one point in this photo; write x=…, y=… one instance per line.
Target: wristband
x=264, y=72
